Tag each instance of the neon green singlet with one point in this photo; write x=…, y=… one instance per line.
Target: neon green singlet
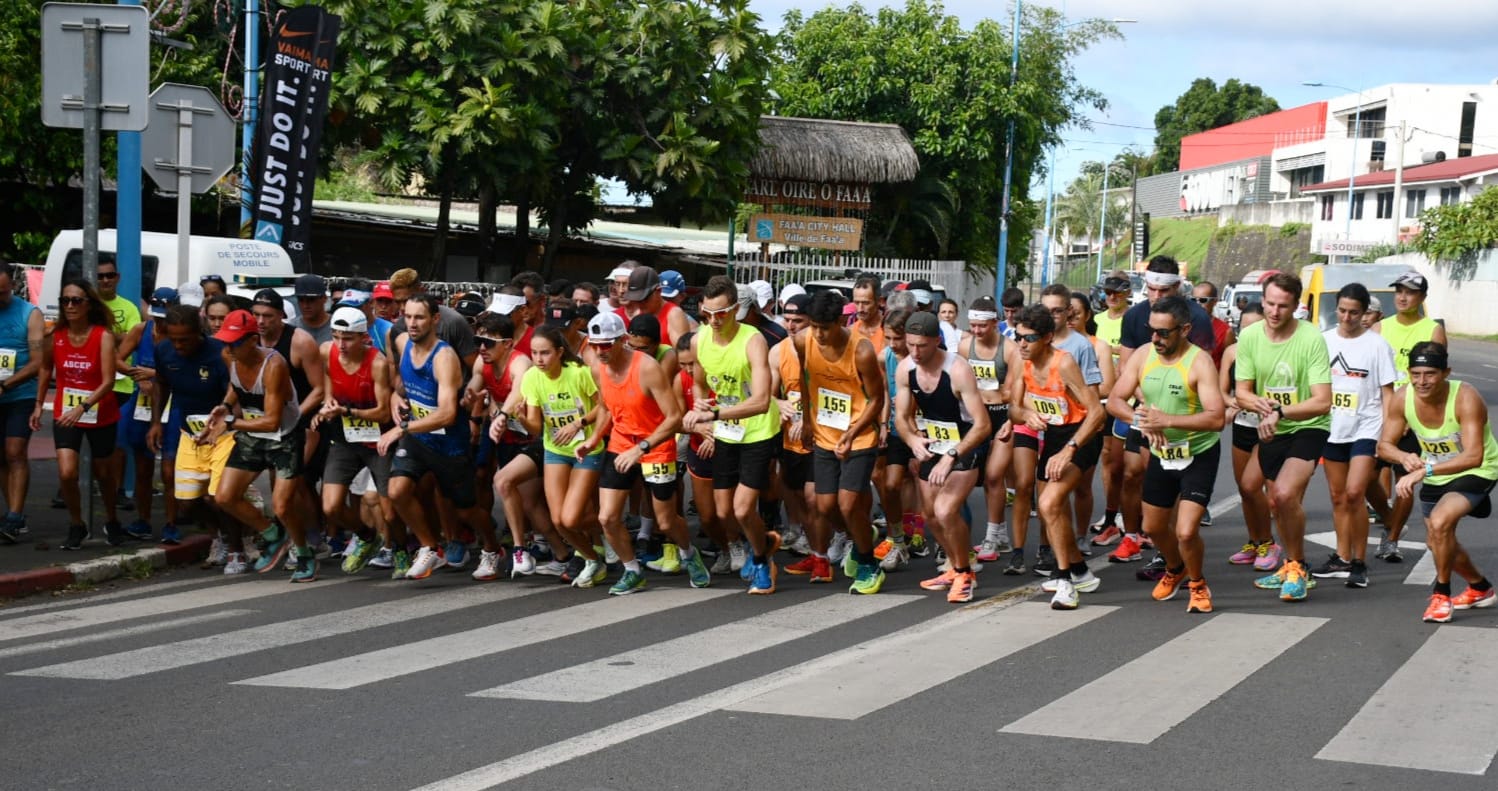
x=1167, y=387
x=1402, y=338
x=1445, y=441
x=728, y=376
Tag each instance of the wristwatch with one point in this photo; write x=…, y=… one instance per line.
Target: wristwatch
x=952, y=452
x=644, y=445
x=1430, y=468
x=1072, y=443
x=1279, y=409
x=229, y=421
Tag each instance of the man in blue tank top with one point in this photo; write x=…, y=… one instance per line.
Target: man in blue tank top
x=21, y=334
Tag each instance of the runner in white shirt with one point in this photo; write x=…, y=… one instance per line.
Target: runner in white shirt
x=1362, y=382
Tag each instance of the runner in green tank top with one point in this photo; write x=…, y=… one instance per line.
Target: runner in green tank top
x=1456, y=468
x=1181, y=417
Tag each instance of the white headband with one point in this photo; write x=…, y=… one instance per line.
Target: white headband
x=505, y=304
x=982, y=315
x=1161, y=280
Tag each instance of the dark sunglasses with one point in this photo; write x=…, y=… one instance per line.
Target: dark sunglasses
x=1203, y=300
x=65, y=301
x=1163, y=333
x=488, y=343
x=109, y=275
x=603, y=344
x=1032, y=337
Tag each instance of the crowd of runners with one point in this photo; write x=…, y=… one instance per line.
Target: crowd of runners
x=806, y=434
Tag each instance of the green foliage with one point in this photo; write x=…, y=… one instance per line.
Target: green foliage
x=1454, y=235
x=949, y=88
x=1202, y=107
x=1383, y=250
x=1226, y=232
x=1184, y=239
x=1292, y=229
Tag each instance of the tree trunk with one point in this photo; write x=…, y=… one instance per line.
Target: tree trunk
x=554, y=234
x=437, y=267
x=488, y=202
x=520, y=260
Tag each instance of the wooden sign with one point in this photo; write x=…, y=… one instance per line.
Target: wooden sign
x=790, y=192
x=830, y=233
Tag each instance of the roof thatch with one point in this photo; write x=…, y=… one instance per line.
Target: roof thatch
x=815, y=149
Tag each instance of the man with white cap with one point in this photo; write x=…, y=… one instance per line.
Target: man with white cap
x=510, y=301
x=644, y=295
x=359, y=295
x=751, y=312
x=618, y=283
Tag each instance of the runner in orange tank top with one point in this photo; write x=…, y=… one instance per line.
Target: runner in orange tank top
x=786, y=385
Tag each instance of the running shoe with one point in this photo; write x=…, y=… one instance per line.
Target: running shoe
x=1128, y=549
x=722, y=564
x=540, y=549
x=1102, y=524
x=276, y=547
x=630, y=581
x=1245, y=556
x=1153, y=570
x=940, y=582
x=1394, y=555
x=988, y=551
x=1087, y=583
x=697, y=574
x=1357, y=576
x=763, y=576
x=235, y=563
x=1109, y=536
x=669, y=562
x=1385, y=546
x=1294, y=586
x=1470, y=598
x=610, y=557
x=1016, y=565
x=883, y=547
x=962, y=589
x=941, y=558
x=1334, y=568
x=383, y=559
x=821, y=570
x=1271, y=581
x=427, y=560
x=306, y=565
x=77, y=534
x=803, y=566
x=1066, y=595
x=1439, y=609
x=839, y=548
x=572, y=569
x=521, y=563
x=1166, y=588
x=868, y=579
x=1270, y=557
x=358, y=554
x=456, y=555
x=551, y=568
x=140, y=530
x=919, y=546
x=1201, y=597
x=218, y=553
x=488, y=568
x=850, y=565
x=1045, y=561
x=738, y=555
x=170, y=535
x=593, y=572
x=1206, y=519
x=1054, y=581
x=793, y=537
x=897, y=558
x=400, y=563
x=114, y=533
x=1084, y=548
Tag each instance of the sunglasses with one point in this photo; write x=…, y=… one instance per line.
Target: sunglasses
x=1203, y=300
x=1032, y=337
x=603, y=344
x=488, y=343
x=1163, y=333
x=66, y=301
x=708, y=315
x=109, y=275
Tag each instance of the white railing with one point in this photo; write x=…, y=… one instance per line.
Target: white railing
x=802, y=267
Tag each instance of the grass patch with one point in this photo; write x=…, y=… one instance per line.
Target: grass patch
x=1185, y=240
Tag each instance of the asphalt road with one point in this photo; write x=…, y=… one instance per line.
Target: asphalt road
x=191, y=681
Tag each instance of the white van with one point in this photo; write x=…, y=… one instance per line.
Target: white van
x=246, y=265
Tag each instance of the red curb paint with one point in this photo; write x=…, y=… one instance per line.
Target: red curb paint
x=23, y=582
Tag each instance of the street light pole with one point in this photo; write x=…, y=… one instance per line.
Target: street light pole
x=1352, y=167
x=1102, y=224
x=1001, y=279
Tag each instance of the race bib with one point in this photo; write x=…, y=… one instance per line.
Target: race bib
x=7, y=364
x=659, y=472
x=729, y=430
x=1441, y=449
x=1174, y=455
x=944, y=436
x=73, y=398
x=987, y=373
x=1284, y=396
x=143, y=405
x=420, y=410
x=1344, y=401
x=255, y=414
x=1052, y=410
x=834, y=409
x=196, y=424
x=357, y=429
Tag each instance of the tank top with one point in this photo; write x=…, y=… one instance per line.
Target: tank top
x=1445, y=441
x=354, y=390
x=876, y=337
x=15, y=351
x=839, y=397
x=421, y=395
x=693, y=439
x=989, y=372
x=1402, y=338
x=78, y=376
x=252, y=399
x=728, y=374
x=1109, y=328
x=299, y=381
x=891, y=367
x=499, y=389
x=635, y=415
x=791, y=382
x=942, y=417
x=145, y=357
x=1050, y=397
x=1167, y=387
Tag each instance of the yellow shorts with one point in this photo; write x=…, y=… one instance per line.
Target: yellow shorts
x=199, y=467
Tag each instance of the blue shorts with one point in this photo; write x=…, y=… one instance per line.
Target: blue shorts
x=15, y=419
x=1120, y=429
x=1343, y=452
x=592, y=463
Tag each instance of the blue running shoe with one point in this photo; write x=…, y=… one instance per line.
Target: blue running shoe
x=1294, y=586
x=764, y=576
x=456, y=554
x=276, y=547
x=697, y=573
x=170, y=535
x=140, y=530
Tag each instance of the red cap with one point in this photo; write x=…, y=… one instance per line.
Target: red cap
x=382, y=291
x=237, y=325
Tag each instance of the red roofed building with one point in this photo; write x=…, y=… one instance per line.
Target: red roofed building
x=1256, y=137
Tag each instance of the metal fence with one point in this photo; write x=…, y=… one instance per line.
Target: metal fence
x=804, y=267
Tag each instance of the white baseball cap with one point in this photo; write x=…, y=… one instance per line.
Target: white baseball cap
x=605, y=328
x=764, y=293
x=349, y=319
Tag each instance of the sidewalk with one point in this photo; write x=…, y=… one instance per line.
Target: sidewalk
x=38, y=564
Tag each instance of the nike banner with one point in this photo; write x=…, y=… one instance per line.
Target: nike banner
x=293, y=103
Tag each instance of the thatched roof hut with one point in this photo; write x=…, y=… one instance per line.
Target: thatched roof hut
x=815, y=149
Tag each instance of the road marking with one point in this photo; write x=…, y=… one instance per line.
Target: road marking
x=169, y=656
x=84, y=600
x=1434, y=713
x=98, y=615
x=1224, y=505
x=1423, y=572
x=677, y=712
x=619, y=673
x=128, y=631
x=401, y=660
x=1170, y=683
x=862, y=685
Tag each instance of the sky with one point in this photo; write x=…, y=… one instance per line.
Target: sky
x=1274, y=44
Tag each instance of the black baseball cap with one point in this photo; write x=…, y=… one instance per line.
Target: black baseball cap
x=561, y=316
x=1114, y=285
x=923, y=324
x=796, y=305
x=311, y=286
x=268, y=296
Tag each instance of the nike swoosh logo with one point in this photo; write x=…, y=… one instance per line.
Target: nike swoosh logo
x=294, y=34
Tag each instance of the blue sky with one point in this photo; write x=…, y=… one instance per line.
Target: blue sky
x=1275, y=44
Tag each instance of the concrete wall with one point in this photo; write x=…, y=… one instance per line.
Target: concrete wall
x=1465, y=305
x=1277, y=213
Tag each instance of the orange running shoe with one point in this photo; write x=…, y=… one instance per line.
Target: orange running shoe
x=940, y=582
x=1166, y=588
x=881, y=550
x=1439, y=610
x=963, y=585
x=1470, y=598
x=1201, y=597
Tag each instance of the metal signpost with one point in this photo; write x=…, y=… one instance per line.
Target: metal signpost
x=187, y=147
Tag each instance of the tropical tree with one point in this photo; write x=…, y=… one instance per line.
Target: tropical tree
x=1202, y=107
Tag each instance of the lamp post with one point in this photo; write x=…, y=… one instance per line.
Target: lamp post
x=1353, y=133
x=1103, y=217
x=1001, y=275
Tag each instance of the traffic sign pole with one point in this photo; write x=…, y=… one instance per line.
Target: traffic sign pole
x=93, y=96
x=184, y=182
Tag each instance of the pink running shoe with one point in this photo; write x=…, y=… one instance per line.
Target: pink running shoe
x=1110, y=536
x=1269, y=557
x=1128, y=549
x=1245, y=556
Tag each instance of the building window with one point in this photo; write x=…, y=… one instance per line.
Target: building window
x=1450, y=195
x=1357, y=206
x=1414, y=203
x=1326, y=207
x=1468, y=126
x=1385, y=207
x=1300, y=178
x=1370, y=122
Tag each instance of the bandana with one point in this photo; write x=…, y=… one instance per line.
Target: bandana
x=982, y=315
x=1428, y=359
x=1161, y=280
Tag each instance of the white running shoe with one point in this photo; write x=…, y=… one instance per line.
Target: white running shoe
x=837, y=549
x=427, y=561
x=235, y=563
x=897, y=557
x=722, y=564
x=488, y=566
x=551, y=568
x=594, y=572
x=521, y=563
x=1001, y=537
x=1087, y=583
x=738, y=554
x=610, y=557
x=218, y=553
x=1066, y=595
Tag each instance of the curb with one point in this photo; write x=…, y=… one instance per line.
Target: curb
x=191, y=550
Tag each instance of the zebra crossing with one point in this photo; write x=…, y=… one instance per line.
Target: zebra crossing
x=1446, y=679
